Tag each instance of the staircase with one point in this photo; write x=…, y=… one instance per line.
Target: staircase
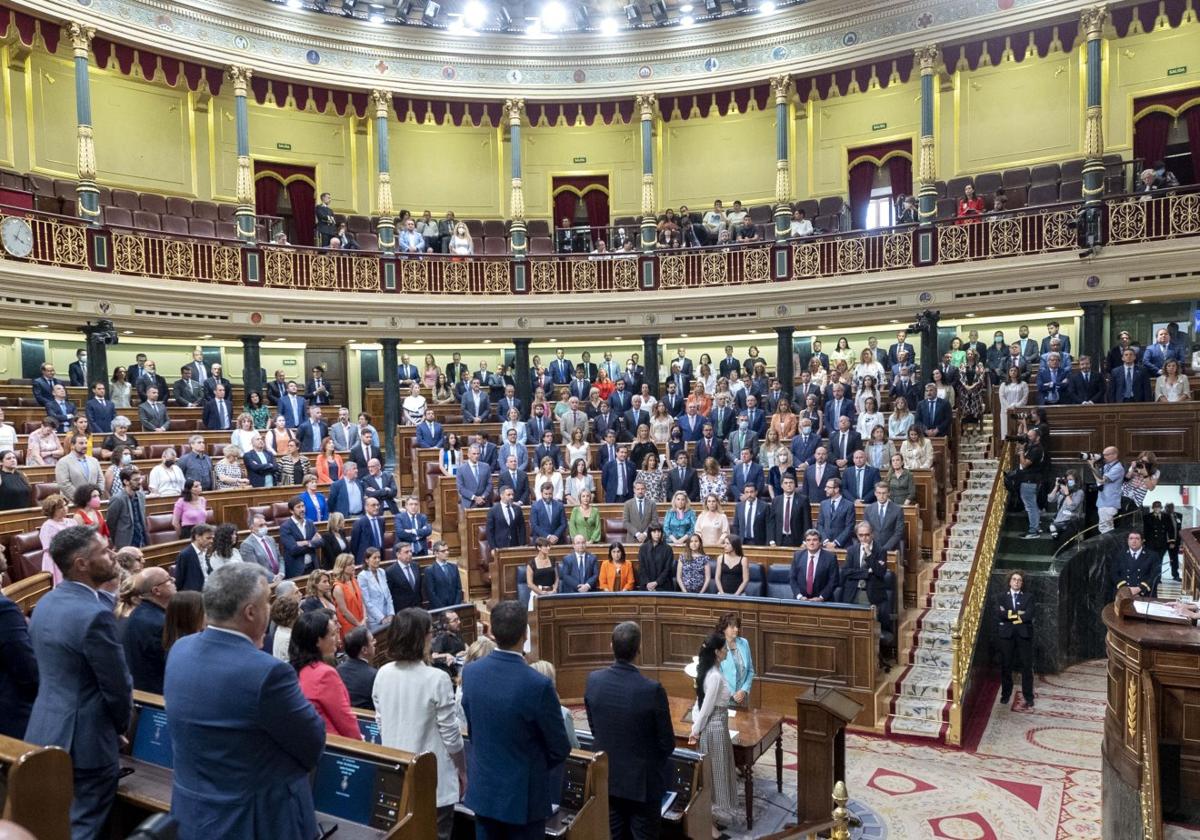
x=921, y=704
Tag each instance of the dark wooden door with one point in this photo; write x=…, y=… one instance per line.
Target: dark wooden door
x=333, y=359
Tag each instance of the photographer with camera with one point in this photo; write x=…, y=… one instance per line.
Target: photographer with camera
x=1029, y=479
x=1141, y=476
x=1110, y=476
x=1067, y=495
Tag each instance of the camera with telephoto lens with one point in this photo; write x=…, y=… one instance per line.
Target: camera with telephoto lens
x=1091, y=457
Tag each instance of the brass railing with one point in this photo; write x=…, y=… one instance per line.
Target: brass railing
x=965, y=632
x=170, y=258
x=1153, y=216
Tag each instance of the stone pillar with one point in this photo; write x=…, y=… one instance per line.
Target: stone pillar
x=649, y=229
x=782, y=86
x=252, y=378
x=650, y=363
x=88, y=205
x=386, y=226
x=391, y=401
x=1091, y=333
x=516, y=230
x=97, y=352
x=785, y=370
x=244, y=190
x=524, y=382
x=927, y=59
x=1093, y=134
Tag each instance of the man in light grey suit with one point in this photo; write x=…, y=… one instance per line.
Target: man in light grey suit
x=77, y=468
x=260, y=547
x=474, y=480
x=639, y=513
x=343, y=432
x=126, y=516
x=886, y=518
x=153, y=413
x=84, y=697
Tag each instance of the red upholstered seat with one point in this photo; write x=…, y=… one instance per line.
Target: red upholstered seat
x=175, y=225
x=541, y=245
x=24, y=555
x=178, y=206
x=43, y=490
x=202, y=227
x=30, y=426
x=537, y=227
x=474, y=227
x=127, y=199
x=259, y=510
x=280, y=511
x=118, y=217
x=368, y=242
x=987, y=183
x=1070, y=191
x=1014, y=178
x=494, y=227
x=614, y=529
x=829, y=205
x=160, y=528
x=226, y=212
x=495, y=246
x=1047, y=173
x=146, y=221
x=205, y=210
x=153, y=203
x=226, y=230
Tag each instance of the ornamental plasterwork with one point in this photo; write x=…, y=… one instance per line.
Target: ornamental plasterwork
x=330, y=51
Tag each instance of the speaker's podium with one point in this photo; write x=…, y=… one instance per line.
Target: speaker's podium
x=822, y=713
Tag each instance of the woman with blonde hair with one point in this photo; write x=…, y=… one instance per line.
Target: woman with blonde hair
x=680, y=520
x=784, y=421
x=430, y=374
x=461, y=243
x=546, y=474
x=347, y=594
x=712, y=524
x=917, y=451
x=661, y=423
x=243, y=433
x=585, y=519
x=318, y=594
x=229, y=471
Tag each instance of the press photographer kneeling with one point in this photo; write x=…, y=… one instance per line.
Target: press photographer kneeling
x=1067, y=497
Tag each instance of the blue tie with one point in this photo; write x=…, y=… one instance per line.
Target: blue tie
x=1128, y=383
x=375, y=529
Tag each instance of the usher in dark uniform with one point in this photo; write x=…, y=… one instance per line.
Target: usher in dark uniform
x=1014, y=639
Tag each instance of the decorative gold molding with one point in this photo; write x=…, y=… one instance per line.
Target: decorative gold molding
x=85, y=152
x=781, y=86
x=384, y=203
x=1093, y=133
x=516, y=209
x=1093, y=21
x=927, y=167
x=927, y=58
x=383, y=101
x=240, y=77
x=648, y=203
x=646, y=103
x=514, y=107
x=81, y=39
x=783, y=181
x=244, y=190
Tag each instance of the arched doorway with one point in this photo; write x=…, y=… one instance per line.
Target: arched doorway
x=581, y=200
x=289, y=192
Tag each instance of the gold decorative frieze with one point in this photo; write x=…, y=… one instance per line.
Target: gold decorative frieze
x=1093, y=20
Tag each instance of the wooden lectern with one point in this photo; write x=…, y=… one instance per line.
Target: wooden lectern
x=821, y=717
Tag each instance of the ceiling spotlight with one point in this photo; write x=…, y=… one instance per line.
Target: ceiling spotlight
x=658, y=8
x=686, y=9
x=766, y=6
x=687, y=21
x=740, y=5
x=534, y=28
x=403, y=10
x=554, y=15
x=608, y=26
x=505, y=17
x=713, y=7
x=475, y=14
x=319, y=5
x=583, y=18
x=633, y=14
x=432, y=10
x=456, y=24
x=348, y=7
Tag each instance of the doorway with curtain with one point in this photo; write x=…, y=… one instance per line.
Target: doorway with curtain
x=583, y=201
x=879, y=175
x=290, y=193
x=1166, y=128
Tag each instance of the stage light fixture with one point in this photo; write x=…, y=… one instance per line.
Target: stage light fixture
x=767, y=7
x=740, y=5
x=658, y=8
x=534, y=28
x=633, y=14
x=376, y=15
x=504, y=16
x=475, y=14
x=608, y=26
x=686, y=9
x=319, y=5
x=554, y=16
x=432, y=10
x=687, y=21
x=583, y=17
x=348, y=7
x=295, y=5
x=713, y=7
x=403, y=10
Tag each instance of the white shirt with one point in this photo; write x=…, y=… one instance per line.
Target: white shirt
x=166, y=481
x=8, y=436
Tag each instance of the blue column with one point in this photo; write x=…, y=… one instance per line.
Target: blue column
x=88, y=204
x=782, y=86
x=518, y=240
x=649, y=228
x=244, y=189
x=927, y=59
x=1093, y=135
x=386, y=226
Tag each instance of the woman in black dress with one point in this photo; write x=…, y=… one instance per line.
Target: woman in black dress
x=733, y=570
x=656, y=562
x=14, y=489
x=541, y=573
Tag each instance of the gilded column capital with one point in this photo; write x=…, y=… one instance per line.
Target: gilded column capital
x=240, y=76
x=382, y=100
x=514, y=107
x=646, y=103
x=1093, y=20
x=782, y=87
x=927, y=58
x=81, y=38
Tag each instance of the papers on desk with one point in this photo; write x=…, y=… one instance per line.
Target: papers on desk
x=1155, y=610
x=733, y=712
x=733, y=733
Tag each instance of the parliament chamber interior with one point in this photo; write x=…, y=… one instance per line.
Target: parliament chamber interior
x=659, y=418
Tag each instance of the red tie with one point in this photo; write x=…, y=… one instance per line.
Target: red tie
x=812, y=572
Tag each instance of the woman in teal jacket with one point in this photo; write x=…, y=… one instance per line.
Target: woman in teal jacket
x=737, y=667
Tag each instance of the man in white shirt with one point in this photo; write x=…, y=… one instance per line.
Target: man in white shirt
x=8, y=435
x=800, y=225
x=715, y=221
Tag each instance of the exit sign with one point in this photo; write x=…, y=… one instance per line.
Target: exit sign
x=1177, y=71
x=579, y=160
x=879, y=126
x=284, y=147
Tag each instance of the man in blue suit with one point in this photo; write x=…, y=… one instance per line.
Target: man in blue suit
x=413, y=527
x=901, y=344
x=368, y=531
x=429, y=431
x=474, y=481
x=818, y=473
x=245, y=738
x=747, y=472
x=517, y=734
x=313, y=430
x=933, y=413
x=838, y=406
x=43, y=386
x=751, y=517
x=835, y=522
x=508, y=402
x=18, y=667
x=293, y=406
x=1053, y=334
x=1155, y=357
x=859, y=479
x=547, y=517
x=814, y=574
x=299, y=540
x=476, y=408
x=1051, y=380
x=84, y=697
x=505, y=522
x=804, y=444
x=217, y=414
x=630, y=721
x=515, y=448
x=561, y=368
x=755, y=416
x=619, y=400
x=345, y=494
x=100, y=411
x=441, y=581
x=579, y=571
x=516, y=478
x=617, y=477
x=1128, y=382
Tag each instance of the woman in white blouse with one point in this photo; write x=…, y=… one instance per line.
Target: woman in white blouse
x=166, y=479
x=546, y=474
x=414, y=704
x=1013, y=394
x=917, y=451
x=514, y=422
x=867, y=365
x=710, y=727
x=461, y=243
x=706, y=378
x=577, y=449
x=1172, y=385
x=414, y=406
x=648, y=399
x=870, y=417
x=901, y=419
x=866, y=389
x=243, y=436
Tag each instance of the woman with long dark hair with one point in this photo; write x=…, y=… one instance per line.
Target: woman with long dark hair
x=185, y=616
x=710, y=726
x=313, y=644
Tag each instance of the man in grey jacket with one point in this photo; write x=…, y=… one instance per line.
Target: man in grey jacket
x=127, y=511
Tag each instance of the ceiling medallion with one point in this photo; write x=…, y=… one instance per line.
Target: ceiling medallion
x=779, y=53
x=645, y=72
x=850, y=39
x=580, y=76
x=381, y=67
x=312, y=57
x=712, y=64
x=513, y=76
x=448, y=73
x=241, y=42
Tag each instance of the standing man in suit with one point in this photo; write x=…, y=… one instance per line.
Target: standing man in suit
x=933, y=413
x=818, y=474
x=260, y=463
x=1031, y=351
x=126, y=515
x=537, y=425
x=708, y=446
x=245, y=736
x=683, y=477
x=630, y=721
x=902, y=343
x=729, y=362
x=590, y=369
x=560, y=368
x=1128, y=382
x=579, y=571
x=276, y=388
x=380, y=485
x=804, y=443
x=1051, y=380
x=19, y=667
x=188, y=391
x=673, y=400
x=345, y=433
x=84, y=696
x=100, y=411
x=77, y=467
x=839, y=406
x=474, y=480
x=510, y=401
x=475, y=405
x=864, y=577
x=456, y=371
x=300, y=541
x=365, y=450
x=1052, y=333
x=547, y=517
x=814, y=572
x=142, y=631
x=215, y=378
x=1085, y=386
x=77, y=370
x=413, y=527
x=406, y=372
x=293, y=407
x=515, y=477
x=619, y=400
x=368, y=531
x=260, y=547
x=580, y=385
x=404, y=580
x=835, y=522
x=442, y=586
x=517, y=734
x=197, y=367
x=617, y=477
x=313, y=430
x=886, y=518
x=1013, y=610
x=747, y=473
x=43, y=386
x=429, y=431
x=60, y=409
x=751, y=518
x=639, y=514
x=152, y=413
x=191, y=565
x=744, y=438
x=790, y=517
x=326, y=224
x=843, y=443
x=859, y=479
x=505, y=525
x=218, y=413
x=573, y=418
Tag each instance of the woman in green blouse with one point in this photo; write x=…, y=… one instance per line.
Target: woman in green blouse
x=259, y=413
x=585, y=518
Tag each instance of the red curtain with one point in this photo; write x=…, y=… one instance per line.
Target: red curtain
x=304, y=210
x=1150, y=137
x=1193, y=126
x=565, y=203
x=266, y=195
x=595, y=201
x=862, y=176
x=900, y=171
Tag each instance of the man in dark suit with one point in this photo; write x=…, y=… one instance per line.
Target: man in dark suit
x=214, y=379
x=377, y=484
x=620, y=399
x=617, y=477
x=1051, y=380
x=839, y=406
x=515, y=477
x=84, y=696
x=141, y=633
x=413, y=527
x=476, y=408
x=560, y=368
x=633, y=418
x=60, y=409
x=190, y=566
x=456, y=371
x=404, y=580
x=859, y=479
x=949, y=370
x=590, y=369
x=1134, y=568
x=1085, y=386
x=579, y=571
x=18, y=668
x=680, y=378
x=744, y=438
x=790, y=517
x=442, y=583
x=316, y=389
x=510, y=401
x=276, y=389
x=755, y=416
x=1052, y=333
x=187, y=390
x=260, y=463
x=814, y=573
x=709, y=446
x=933, y=413
x=844, y=441
x=100, y=411
x=1030, y=349
x=630, y=721
x=886, y=518
x=902, y=343
x=747, y=473
x=729, y=362
x=429, y=432
x=517, y=734
x=818, y=473
x=369, y=531
x=835, y=522
x=43, y=386
x=1013, y=611
x=818, y=354
x=312, y=431
x=1128, y=382
x=905, y=386
x=365, y=451
x=723, y=418
x=356, y=671
x=245, y=736
x=217, y=414
x=299, y=540
x=864, y=578
x=77, y=370
x=751, y=518
x=505, y=525
x=804, y=444
x=547, y=517
x=674, y=401
x=293, y=407
x=683, y=477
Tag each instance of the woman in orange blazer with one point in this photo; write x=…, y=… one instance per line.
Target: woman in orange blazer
x=329, y=463
x=616, y=574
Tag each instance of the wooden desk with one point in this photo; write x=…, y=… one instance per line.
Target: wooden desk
x=756, y=731
x=1170, y=430
x=37, y=790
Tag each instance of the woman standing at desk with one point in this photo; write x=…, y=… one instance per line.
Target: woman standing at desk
x=710, y=727
x=737, y=668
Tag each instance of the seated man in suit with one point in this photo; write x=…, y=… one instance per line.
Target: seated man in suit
x=429, y=431
x=377, y=484
x=814, y=574
x=683, y=477
x=505, y=525
x=804, y=443
x=751, y=517
x=516, y=478
x=404, y=580
x=843, y=443
x=579, y=571
x=100, y=411
x=547, y=517
x=299, y=541
x=859, y=479
x=747, y=472
x=886, y=518
x=152, y=413
x=639, y=513
x=43, y=386
x=369, y=531
x=865, y=579
x=1085, y=386
x=218, y=412
x=934, y=414
x=413, y=527
x=187, y=392
x=1128, y=382
x=617, y=477
x=818, y=473
x=442, y=582
x=835, y=522
x=790, y=516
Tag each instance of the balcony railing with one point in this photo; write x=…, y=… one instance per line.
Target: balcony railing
x=63, y=241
